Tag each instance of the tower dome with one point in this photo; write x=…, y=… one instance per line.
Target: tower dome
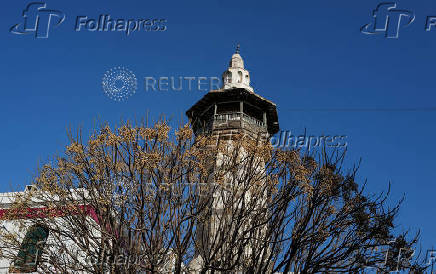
x=236, y=76
x=236, y=61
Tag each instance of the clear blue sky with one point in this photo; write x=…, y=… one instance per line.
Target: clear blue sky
x=301, y=55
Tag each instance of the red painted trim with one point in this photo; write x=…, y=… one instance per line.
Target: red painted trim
x=40, y=213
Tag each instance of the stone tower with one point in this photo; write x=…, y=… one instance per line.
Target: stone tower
x=233, y=109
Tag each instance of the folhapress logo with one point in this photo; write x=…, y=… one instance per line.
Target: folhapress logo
x=38, y=19
x=388, y=20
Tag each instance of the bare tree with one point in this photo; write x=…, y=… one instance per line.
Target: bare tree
x=140, y=199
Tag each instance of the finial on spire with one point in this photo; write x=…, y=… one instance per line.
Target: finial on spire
x=237, y=48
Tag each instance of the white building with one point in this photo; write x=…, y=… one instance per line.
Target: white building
x=34, y=238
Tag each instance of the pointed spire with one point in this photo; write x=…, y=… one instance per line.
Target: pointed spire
x=236, y=76
x=236, y=61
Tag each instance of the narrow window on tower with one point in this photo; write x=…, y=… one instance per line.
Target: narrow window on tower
x=229, y=77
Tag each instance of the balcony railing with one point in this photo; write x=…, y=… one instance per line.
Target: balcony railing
x=238, y=116
x=231, y=120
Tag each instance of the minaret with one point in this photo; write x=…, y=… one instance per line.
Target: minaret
x=233, y=109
